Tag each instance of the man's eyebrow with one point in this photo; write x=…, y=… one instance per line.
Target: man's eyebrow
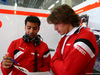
x=34, y=27
x=28, y=26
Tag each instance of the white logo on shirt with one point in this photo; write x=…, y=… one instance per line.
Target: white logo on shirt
x=68, y=44
x=21, y=48
x=34, y=54
x=80, y=50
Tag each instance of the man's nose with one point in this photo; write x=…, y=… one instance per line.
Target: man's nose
x=31, y=30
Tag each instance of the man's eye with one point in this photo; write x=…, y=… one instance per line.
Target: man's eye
x=34, y=28
x=28, y=28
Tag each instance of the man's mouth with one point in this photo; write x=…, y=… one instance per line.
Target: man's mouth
x=58, y=31
x=31, y=35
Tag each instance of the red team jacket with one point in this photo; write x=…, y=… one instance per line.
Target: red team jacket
x=23, y=53
x=79, y=54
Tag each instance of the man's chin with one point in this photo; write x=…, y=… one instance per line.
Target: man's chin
x=31, y=37
x=60, y=34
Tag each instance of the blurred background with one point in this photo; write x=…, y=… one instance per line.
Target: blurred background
x=40, y=4
x=50, y=4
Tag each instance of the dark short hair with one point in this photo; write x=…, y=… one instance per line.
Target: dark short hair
x=33, y=19
x=63, y=14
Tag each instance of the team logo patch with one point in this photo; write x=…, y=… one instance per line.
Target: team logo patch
x=80, y=50
x=84, y=45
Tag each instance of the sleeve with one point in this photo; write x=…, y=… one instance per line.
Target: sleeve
x=54, y=58
x=6, y=71
x=46, y=60
x=79, y=57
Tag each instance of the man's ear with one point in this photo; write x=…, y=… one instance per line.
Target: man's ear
x=25, y=27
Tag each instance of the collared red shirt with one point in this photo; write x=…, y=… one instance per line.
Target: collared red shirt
x=68, y=34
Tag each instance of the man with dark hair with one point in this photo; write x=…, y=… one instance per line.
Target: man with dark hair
x=77, y=50
x=29, y=52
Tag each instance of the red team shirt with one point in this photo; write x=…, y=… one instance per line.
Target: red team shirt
x=79, y=54
x=23, y=53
